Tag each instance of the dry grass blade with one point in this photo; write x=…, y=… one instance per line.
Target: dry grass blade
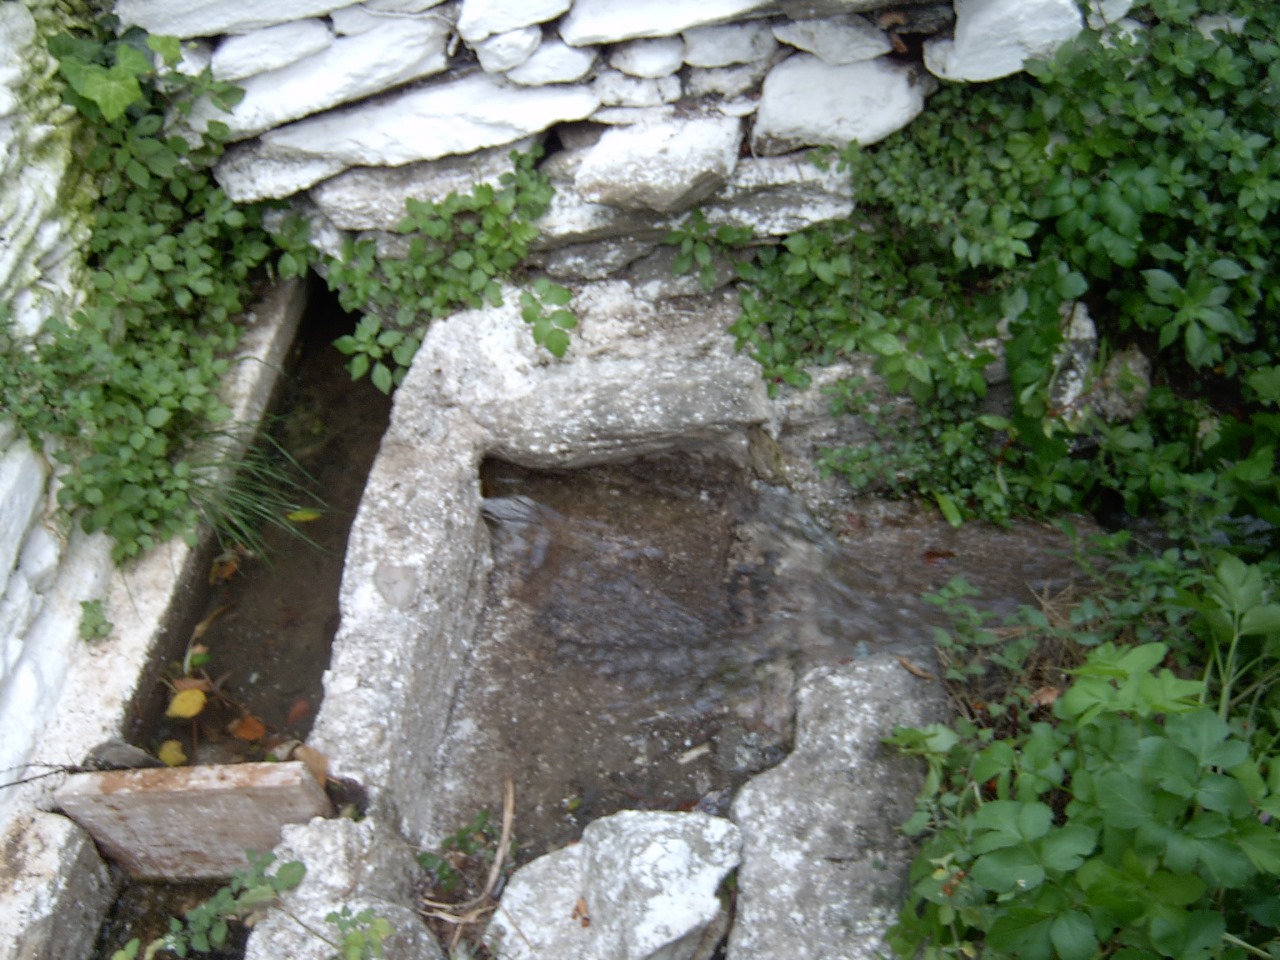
x=474, y=910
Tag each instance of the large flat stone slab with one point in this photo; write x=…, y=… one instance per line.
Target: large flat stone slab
x=191, y=822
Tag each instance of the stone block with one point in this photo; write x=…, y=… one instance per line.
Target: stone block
x=191, y=822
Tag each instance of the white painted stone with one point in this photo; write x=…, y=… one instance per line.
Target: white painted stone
x=195, y=57
x=484, y=18
x=806, y=103
x=630, y=116
x=348, y=69
x=649, y=882
x=554, y=62
x=650, y=59
x=835, y=40
x=39, y=559
x=994, y=38
x=612, y=21
x=506, y=51
x=22, y=479
x=402, y=6
x=666, y=167
x=722, y=82
x=428, y=122
x=353, y=20
x=615, y=89
x=373, y=198
x=18, y=606
x=269, y=49
x=823, y=861
x=210, y=18
x=726, y=45
x=250, y=171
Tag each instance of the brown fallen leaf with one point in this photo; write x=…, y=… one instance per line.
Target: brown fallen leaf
x=300, y=710
x=248, y=728
x=316, y=761
x=1044, y=697
x=193, y=683
x=203, y=626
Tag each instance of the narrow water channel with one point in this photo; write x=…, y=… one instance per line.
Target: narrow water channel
x=269, y=623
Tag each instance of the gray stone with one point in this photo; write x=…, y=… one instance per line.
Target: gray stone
x=665, y=167
x=592, y=261
x=994, y=38
x=356, y=865
x=807, y=102
x=269, y=48
x=54, y=890
x=649, y=883
x=348, y=69
x=776, y=196
x=252, y=171
x=727, y=82
x=373, y=198
x=554, y=62
x=484, y=18
x=726, y=45
x=572, y=219
x=617, y=89
x=210, y=18
x=655, y=58
x=611, y=21
x=823, y=864
x=835, y=40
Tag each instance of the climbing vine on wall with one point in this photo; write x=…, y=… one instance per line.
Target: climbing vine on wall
x=125, y=392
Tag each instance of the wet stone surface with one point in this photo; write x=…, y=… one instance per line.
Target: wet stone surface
x=648, y=622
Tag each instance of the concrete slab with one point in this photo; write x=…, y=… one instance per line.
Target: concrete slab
x=191, y=822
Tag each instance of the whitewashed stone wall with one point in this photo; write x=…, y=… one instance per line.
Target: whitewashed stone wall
x=655, y=107
x=44, y=571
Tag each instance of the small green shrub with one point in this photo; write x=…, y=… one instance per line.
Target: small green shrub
x=123, y=391
x=1129, y=812
x=459, y=251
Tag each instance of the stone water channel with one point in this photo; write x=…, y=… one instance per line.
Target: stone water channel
x=612, y=579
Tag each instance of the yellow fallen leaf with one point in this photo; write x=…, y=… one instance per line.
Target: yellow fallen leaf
x=306, y=515
x=170, y=753
x=186, y=704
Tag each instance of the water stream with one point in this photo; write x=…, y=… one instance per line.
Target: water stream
x=648, y=622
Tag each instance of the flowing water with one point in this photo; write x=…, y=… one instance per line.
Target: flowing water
x=648, y=623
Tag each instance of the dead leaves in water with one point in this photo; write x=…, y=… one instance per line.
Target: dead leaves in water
x=248, y=728
x=186, y=704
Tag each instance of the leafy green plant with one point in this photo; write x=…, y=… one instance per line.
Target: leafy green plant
x=207, y=927
x=699, y=244
x=550, y=326
x=123, y=391
x=1127, y=811
x=94, y=624
x=362, y=933
x=458, y=251
x=1117, y=175
x=461, y=855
